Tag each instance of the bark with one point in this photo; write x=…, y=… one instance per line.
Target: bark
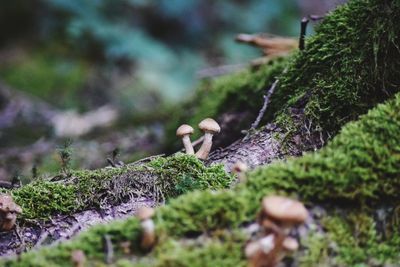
x=62, y=228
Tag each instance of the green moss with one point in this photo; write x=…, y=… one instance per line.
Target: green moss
x=226, y=249
x=349, y=65
x=359, y=166
x=357, y=240
x=316, y=250
x=161, y=178
x=40, y=199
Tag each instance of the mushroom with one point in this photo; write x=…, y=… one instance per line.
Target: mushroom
x=126, y=247
x=285, y=211
x=290, y=244
x=8, y=212
x=184, y=131
x=148, y=228
x=145, y=213
x=265, y=252
x=78, y=258
x=277, y=216
x=240, y=169
x=209, y=127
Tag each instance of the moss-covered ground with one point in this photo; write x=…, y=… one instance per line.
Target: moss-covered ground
x=358, y=171
x=350, y=65
x=160, y=179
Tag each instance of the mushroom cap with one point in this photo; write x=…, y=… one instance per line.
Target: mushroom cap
x=7, y=204
x=290, y=244
x=239, y=166
x=284, y=209
x=209, y=125
x=145, y=213
x=184, y=129
x=78, y=256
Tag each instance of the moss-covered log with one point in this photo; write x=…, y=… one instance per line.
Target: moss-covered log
x=356, y=173
x=350, y=65
x=81, y=198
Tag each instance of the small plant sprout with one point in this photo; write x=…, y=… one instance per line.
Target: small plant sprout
x=8, y=213
x=148, y=228
x=209, y=127
x=65, y=153
x=184, y=132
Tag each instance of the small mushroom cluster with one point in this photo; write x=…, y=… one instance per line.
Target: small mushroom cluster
x=275, y=221
x=8, y=212
x=209, y=127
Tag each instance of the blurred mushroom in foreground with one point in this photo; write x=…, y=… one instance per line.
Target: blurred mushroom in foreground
x=240, y=168
x=148, y=228
x=78, y=258
x=8, y=212
x=277, y=217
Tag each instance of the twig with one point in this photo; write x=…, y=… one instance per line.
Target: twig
x=303, y=30
x=219, y=70
x=149, y=158
x=265, y=105
x=267, y=99
x=21, y=240
x=111, y=162
x=109, y=251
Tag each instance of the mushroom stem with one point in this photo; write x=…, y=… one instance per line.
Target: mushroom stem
x=148, y=234
x=205, y=147
x=188, y=145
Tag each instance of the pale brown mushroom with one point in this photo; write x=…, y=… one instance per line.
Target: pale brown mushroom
x=126, y=247
x=240, y=168
x=209, y=127
x=8, y=212
x=148, y=234
x=145, y=213
x=148, y=228
x=265, y=252
x=284, y=210
x=184, y=132
x=290, y=244
x=78, y=258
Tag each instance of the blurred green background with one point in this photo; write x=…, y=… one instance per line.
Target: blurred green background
x=135, y=56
